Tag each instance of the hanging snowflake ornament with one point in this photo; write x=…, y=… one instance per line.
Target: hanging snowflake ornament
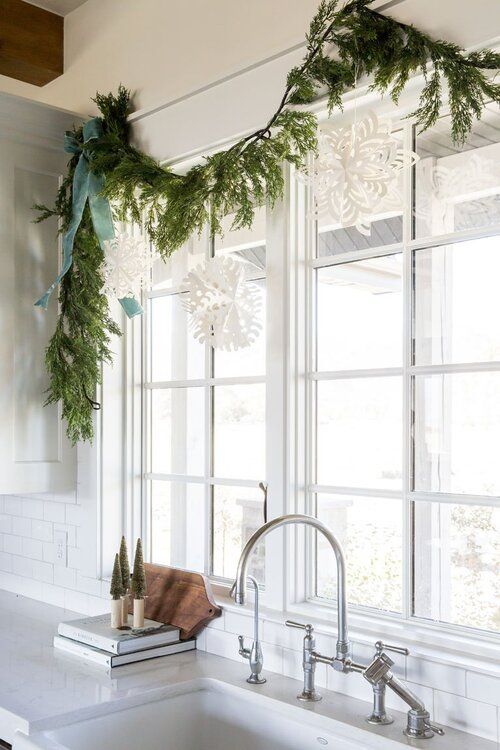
x=127, y=265
x=356, y=172
x=223, y=307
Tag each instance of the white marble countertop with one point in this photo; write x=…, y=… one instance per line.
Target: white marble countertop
x=38, y=683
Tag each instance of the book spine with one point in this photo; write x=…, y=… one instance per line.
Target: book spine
x=84, y=653
x=84, y=636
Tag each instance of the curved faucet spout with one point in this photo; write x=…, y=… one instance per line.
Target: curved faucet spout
x=343, y=645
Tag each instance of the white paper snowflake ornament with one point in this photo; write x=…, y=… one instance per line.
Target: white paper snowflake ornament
x=127, y=265
x=223, y=307
x=356, y=172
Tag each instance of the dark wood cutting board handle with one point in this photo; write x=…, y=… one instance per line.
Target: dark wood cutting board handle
x=179, y=597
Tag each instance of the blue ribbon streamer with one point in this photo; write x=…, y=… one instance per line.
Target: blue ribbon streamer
x=87, y=186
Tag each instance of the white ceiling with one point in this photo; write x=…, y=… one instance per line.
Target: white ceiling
x=61, y=7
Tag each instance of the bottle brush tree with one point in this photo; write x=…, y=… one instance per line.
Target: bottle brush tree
x=117, y=592
x=124, y=565
x=139, y=575
x=125, y=570
x=116, y=589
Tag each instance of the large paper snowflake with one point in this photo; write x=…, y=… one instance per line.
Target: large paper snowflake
x=355, y=174
x=127, y=265
x=224, y=308
x=448, y=197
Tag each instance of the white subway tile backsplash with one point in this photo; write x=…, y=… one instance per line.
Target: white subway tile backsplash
x=483, y=688
x=43, y=571
x=32, y=548
x=13, y=544
x=54, y=511
x=447, y=678
x=74, y=514
x=13, y=506
x=74, y=558
x=5, y=562
x=32, y=508
x=22, y=566
x=5, y=524
x=21, y=526
x=466, y=715
x=237, y=624
x=88, y=585
x=42, y=530
x=70, y=531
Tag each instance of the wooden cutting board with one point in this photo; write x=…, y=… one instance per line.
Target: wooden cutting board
x=180, y=598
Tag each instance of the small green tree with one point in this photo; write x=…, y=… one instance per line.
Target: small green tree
x=116, y=589
x=124, y=565
x=138, y=585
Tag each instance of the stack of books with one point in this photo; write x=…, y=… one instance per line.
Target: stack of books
x=94, y=640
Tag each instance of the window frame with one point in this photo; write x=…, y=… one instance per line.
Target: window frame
x=301, y=599
x=276, y=410
x=290, y=265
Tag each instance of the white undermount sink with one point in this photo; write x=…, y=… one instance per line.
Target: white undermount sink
x=203, y=714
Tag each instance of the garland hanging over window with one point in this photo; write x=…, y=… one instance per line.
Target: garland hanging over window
x=106, y=167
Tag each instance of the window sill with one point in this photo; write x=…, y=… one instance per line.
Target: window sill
x=473, y=652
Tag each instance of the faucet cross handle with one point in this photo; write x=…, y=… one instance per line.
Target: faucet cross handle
x=300, y=626
x=380, y=647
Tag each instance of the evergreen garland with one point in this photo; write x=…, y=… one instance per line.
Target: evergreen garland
x=239, y=179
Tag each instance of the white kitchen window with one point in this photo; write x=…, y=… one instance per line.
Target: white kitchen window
x=206, y=436
x=403, y=389
x=371, y=399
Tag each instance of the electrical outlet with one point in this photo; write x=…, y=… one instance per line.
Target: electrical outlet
x=61, y=548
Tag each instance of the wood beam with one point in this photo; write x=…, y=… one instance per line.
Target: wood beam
x=31, y=42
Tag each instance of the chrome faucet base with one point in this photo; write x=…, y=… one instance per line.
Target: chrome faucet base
x=419, y=726
x=379, y=720
x=256, y=679
x=309, y=696
x=424, y=734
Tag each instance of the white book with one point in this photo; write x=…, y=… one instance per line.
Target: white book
x=105, y=659
x=97, y=632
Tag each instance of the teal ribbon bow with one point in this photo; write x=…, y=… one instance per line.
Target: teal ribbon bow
x=87, y=186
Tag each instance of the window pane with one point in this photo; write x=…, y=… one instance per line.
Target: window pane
x=370, y=532
x=457, y=433
x=175, y=353
x=458, y=187
x=248, y=245
x=359, y=314
x=237, y=513
x=457, y=564
x=178, y=522
x=347, y=240
x=172, y=271
x=359, y=433
x=252, y=359
x=178, y=431
x=239, y=431
x=457, y=305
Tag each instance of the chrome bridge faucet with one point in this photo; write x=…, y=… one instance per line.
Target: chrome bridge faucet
x=378, y=673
